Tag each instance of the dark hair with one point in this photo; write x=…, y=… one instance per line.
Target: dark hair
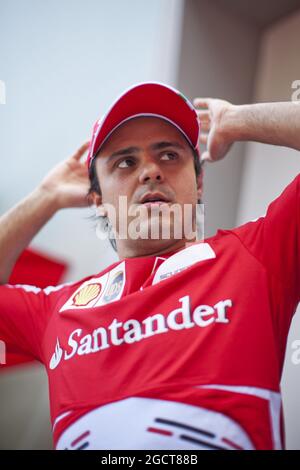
x=95, y=187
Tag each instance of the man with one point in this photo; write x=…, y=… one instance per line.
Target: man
x=180, y=343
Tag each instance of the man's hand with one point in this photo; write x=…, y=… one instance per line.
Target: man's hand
x=224, y=123
x=67, y=184
x=211, y=113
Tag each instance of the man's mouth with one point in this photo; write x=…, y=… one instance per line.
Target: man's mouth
x=154, y=199
x=154, y=203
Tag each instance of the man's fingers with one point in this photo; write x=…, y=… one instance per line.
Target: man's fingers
x=203, y=115
x=203, y=138
x=205, y=157
x=205, y=126
x=205, y=121
x=78, y=154
x=201, y=102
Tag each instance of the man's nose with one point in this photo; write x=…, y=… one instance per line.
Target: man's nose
x=151, y=171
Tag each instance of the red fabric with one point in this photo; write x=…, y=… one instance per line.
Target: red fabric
x=38, y=269
x=33, y=268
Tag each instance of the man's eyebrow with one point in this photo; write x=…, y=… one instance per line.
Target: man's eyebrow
x=156, y=146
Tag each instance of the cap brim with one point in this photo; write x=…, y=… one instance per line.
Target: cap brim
x=152, y=99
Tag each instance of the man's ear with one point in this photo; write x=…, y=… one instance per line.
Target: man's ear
x=96, y=199
x=200, y=185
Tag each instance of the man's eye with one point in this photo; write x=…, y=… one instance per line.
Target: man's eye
x=126, y=163
x=169, y=155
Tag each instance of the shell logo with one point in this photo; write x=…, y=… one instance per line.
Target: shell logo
x=86, y=294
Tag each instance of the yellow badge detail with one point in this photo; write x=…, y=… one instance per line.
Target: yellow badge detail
x=86, y=294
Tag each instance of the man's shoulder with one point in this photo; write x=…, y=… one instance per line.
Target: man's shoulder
x=67, y=288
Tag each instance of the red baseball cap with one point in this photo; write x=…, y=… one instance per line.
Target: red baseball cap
x=147, y=99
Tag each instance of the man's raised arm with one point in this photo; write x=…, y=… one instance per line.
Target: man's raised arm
x=224, y=123
x=65, y=186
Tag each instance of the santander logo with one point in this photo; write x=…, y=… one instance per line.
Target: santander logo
x=132, y=331
x=57, y=356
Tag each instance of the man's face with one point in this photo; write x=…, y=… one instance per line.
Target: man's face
x=144, y=156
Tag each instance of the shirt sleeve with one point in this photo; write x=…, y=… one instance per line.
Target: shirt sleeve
x=275, y=240
x=23, y=318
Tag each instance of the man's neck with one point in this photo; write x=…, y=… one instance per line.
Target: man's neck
x=141, y=249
